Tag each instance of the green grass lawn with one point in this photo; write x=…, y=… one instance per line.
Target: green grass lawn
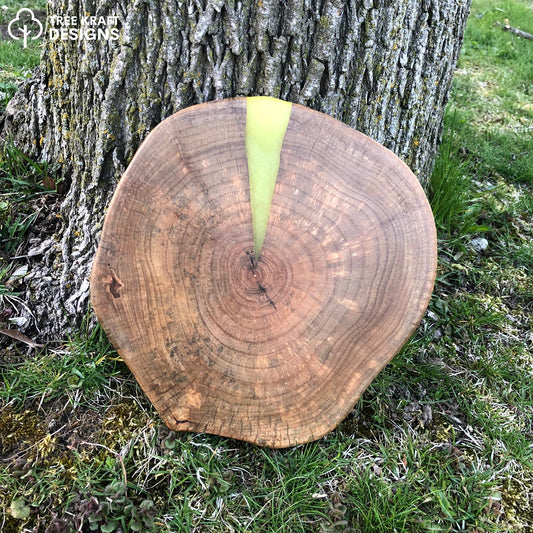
x=16, y=62
x=441, y=441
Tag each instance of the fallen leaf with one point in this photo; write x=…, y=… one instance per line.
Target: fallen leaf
x=17, y=335
x=19, y=509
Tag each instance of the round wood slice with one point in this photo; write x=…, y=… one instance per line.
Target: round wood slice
x=277, y=352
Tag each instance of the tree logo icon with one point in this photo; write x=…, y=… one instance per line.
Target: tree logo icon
x=23, y=25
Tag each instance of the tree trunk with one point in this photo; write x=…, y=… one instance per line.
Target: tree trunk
x=381, y=66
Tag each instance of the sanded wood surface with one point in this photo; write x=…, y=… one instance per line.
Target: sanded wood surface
x=274, y=351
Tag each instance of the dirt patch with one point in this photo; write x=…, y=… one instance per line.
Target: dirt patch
x=50, y=431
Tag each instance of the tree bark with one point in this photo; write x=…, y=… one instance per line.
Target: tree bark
x=384, y=67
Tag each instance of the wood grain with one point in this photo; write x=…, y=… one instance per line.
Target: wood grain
x=277, y=351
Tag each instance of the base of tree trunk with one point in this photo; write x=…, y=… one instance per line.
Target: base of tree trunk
x=384, y=68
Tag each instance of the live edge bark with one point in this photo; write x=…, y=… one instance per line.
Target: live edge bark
x=381, y=66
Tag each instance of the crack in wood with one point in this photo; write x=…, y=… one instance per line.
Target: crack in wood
x=264, y=291
x=253, y=260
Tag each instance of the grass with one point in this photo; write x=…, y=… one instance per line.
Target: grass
x=493, y=92
x=16, y=62
x=83, y=366
x=441, y=441
x=23, y=182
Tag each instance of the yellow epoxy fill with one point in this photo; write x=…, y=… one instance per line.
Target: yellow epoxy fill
x=266, y=124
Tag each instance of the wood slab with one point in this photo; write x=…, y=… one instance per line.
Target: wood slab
x=275, y=351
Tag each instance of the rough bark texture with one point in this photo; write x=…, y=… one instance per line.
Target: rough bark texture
x=381, y=66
